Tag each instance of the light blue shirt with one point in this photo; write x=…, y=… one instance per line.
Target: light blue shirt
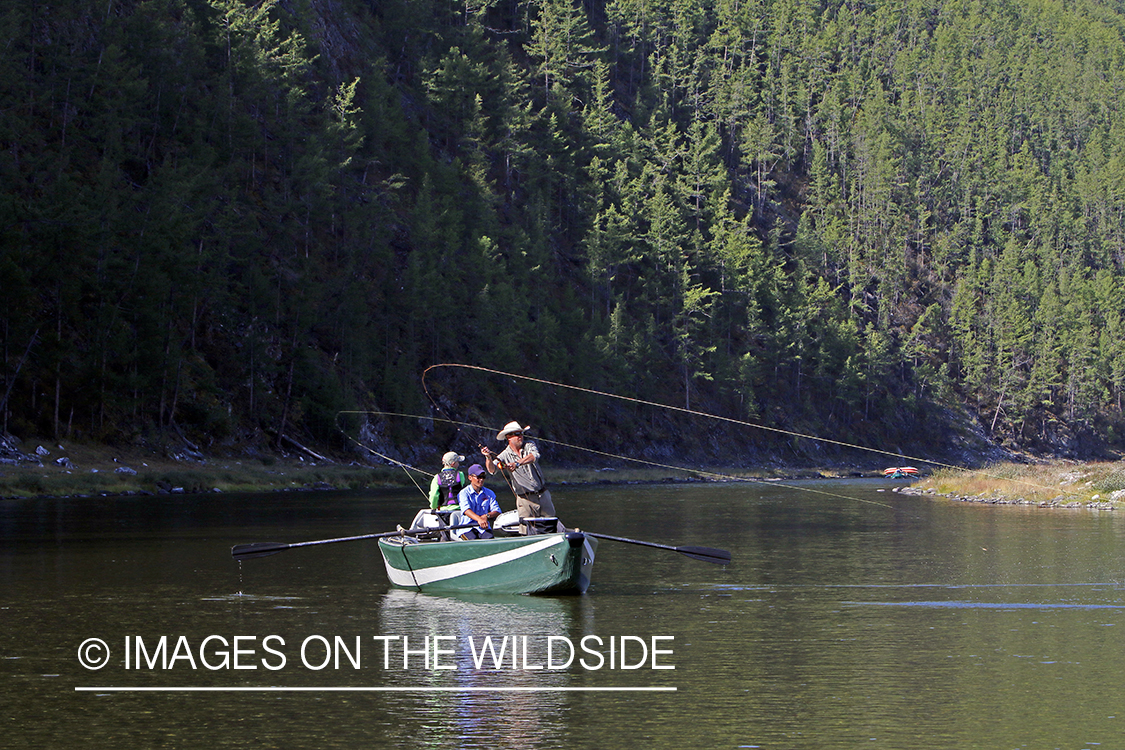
x=482, y=503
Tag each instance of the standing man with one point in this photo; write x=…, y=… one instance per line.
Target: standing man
x=521, y=459
x=447, y=483
x=478, y=503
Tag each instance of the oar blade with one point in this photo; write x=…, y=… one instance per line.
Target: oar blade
x=706, y=554
x=257, y=549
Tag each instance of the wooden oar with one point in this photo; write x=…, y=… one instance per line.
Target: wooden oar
x=706, y=554
x=265, y=549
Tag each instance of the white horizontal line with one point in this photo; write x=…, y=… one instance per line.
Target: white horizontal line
x=277, y=689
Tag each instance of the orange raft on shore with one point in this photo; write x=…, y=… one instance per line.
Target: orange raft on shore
x=900, y=472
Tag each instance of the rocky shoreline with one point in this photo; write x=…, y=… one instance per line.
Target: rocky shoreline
x=49, y=469
x=1061, y=501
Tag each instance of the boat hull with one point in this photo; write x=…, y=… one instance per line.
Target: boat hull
x=537, y=564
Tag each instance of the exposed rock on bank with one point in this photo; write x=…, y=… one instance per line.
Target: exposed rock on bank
x=1061, y=501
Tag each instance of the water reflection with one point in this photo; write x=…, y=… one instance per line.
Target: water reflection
x=499, y=636
x=493, y=641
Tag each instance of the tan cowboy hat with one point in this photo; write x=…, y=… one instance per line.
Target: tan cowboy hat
x=450, y=458
x=510, y=429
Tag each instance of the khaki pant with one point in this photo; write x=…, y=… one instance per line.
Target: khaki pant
x=534, y=505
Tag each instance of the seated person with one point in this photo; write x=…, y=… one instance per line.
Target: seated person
x=478, y=503
x=447, y=483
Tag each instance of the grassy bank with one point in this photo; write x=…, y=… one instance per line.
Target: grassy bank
x=103, y=470
x=99, y=470
x=1054, y=483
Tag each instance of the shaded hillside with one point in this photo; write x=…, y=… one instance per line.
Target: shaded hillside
x=226, y=222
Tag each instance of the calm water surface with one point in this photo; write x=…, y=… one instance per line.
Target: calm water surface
x=851, y=617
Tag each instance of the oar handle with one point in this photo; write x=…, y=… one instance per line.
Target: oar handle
x=533, y=519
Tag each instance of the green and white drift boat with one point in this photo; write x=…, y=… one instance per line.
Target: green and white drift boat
x=429, y=557
x=557, y=563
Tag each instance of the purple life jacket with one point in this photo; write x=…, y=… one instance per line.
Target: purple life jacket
x=450, y=481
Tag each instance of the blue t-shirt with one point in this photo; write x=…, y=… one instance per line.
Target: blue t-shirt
x=482, y=503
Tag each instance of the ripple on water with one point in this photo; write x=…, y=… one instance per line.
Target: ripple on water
x=987, y=605
x=243, y=597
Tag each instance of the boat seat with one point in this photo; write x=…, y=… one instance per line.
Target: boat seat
x=438, y=521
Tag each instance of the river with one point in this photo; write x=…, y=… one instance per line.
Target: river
x=850, y=617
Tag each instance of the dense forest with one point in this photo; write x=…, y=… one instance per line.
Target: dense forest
x=878, y=221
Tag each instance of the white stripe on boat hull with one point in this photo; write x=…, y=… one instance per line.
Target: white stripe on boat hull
x=424, y=576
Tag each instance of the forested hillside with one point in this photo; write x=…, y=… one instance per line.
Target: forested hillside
x=230, y=221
